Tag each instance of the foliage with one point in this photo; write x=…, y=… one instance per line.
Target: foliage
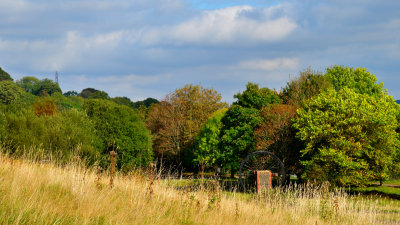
x=177, y=120
x=44, y=106
x=304, y=87
x=276, y=134
x=10, y=92
x=46, y=87
x=255, y=97
x=240, y=122
x=63, y=134
x=147, y=102
x=70, y=102
x=93, y=94
x=350, y=137
x=4, y=75
x=205, y=149
x=359, y=80
x=70, y=93
x=121, y=129
x=29, y=84
x=236, y=137
x=123, y=101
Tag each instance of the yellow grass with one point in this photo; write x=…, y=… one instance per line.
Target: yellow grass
x=35, y=193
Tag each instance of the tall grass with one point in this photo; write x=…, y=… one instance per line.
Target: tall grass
x=32, y=192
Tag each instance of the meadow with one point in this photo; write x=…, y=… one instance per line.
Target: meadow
x=44, y=192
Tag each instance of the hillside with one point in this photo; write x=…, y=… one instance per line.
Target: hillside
x=34, y=193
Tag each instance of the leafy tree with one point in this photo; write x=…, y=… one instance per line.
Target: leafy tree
x=123, y=101
x=147, y=102
x=176, y=121
x=46, y=87
x=28, y=84
x=93, y=94
x=4, y=75
x=62, y=135
x=9, y=92
x=255, y=97
x=99, y=95
x=277, y=134
x=122, y=130
x=309, y=84
x=240, y=122
x=350, y=137
x=206, y=145
x=70, y=93
x=359, y=79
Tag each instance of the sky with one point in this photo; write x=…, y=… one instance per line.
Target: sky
x=149, y=48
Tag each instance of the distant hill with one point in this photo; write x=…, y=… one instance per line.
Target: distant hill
x=398, y=101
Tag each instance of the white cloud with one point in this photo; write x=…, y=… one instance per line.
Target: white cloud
x=268, y=64
x=231, y=25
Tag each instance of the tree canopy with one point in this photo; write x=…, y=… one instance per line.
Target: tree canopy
x=4, y=75
x=350, y=137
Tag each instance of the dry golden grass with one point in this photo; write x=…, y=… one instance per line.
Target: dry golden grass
x=35, y=193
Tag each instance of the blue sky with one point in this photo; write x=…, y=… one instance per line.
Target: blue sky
x=148, y=48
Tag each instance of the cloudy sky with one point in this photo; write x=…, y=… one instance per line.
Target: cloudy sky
x=148, y=48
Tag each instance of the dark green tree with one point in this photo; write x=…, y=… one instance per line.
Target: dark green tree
x=147, y=102
x=239, y=123
x=122, y=130
x=46, y=87
x=4, y=75
x=70, y=93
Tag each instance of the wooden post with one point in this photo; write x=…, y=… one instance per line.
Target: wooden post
x=151, y=179
x=113, y=155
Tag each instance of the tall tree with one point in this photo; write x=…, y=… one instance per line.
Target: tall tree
x=122, y=130
x=176, y=121
x=240, y=122
x=46, y=87
x=28, y=83
x=350, y=138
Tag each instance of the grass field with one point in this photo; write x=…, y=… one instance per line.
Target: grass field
x=35, y=193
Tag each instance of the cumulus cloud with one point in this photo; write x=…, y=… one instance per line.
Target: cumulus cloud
x=231, y=25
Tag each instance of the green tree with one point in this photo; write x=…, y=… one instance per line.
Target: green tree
x=176, y=121
x=4, y=75
x=70, y=93
x=205, y=149
x=121, y=129
x=93, y=94
x=28, y=84
x=255, y=97
x=350, y=138
x=9, y=92
x=240, y=122
x=46, y=87
x=359, y=79
x=123, y=101
x=309, y=84
x=147, y=102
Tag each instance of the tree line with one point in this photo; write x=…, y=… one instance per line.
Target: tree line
x=339, y=126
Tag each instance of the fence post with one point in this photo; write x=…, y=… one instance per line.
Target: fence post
x=113, y=155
